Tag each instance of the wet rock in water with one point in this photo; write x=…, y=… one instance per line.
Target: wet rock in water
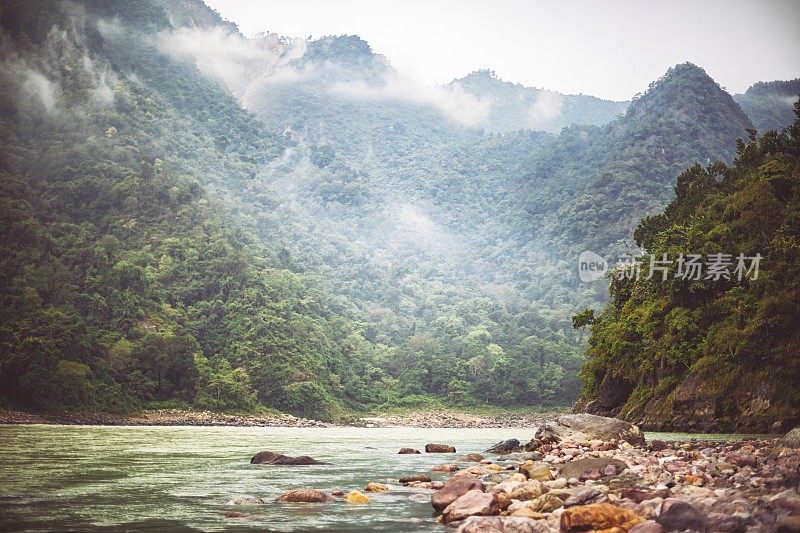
x=521, y=456
x=584, y=427
x=446, y=468
x=474, y=502
x=235, y=514
x=407, y=451
x=647, y=527
x=303, y=496
x=272, y=458
x=245, y=500
x=454, y=489
x=598, y=516
x=535, y=472
x=502, y=524
x=586, y=496
x=679, y=515
x=506, y=446
x=792, y=439
x=376, y=487
x=421, y=478
x=471, y=458
x=355, y=496
x=581, y=467
x=439, y=448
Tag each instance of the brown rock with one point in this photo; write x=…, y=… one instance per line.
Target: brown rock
x=527, y=491
x=658, y=445
x=272, y=458
x=376, y=487
x=446, y=468
x=474, y=502
x=303, y=496
x=546, y=503
x=598, y=517
x=471, y=458
x=454, y=489
x=439, y=448
x=584, y=427
x=647, y=527
x=408, y=451
x=641, y=495
x=579, y=468
x=421, y=478
x=502, y=524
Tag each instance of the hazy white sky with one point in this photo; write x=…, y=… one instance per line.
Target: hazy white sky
x=612, y=49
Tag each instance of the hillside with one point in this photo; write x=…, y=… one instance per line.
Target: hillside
x=710, y=352
x=195, y=218
x=770, y=104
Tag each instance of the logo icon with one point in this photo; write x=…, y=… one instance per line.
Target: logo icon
x=591, y=266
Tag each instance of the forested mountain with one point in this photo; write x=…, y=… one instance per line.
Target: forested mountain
x=514, y=106
x=711, y=352
x=191, y=216
x=770, y=104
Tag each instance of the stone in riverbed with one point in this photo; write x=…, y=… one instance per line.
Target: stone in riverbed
x=446, y=468
x=792, y=439
x=546, y=503
x=474, y=502
x=598, y=516
x=679, y=515
x=439, y=448
x=376, y=487
x=245, y=500
x=355, y=496
x=584, y=428
x=535, y=472
x=272, y=458
x=421, y=478
x=527, y=491
x=585, y=497
x=502, y=524
x=454, y=489
x=647, y=527
x=407, y=451
x=303, y=496
x=641, y=495
x=787, y=524
x=471, y=458
x=581, y=467
x=506, y=446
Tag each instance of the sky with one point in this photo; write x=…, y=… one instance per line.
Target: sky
x=611, y=49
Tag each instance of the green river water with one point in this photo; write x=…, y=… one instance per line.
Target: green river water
x=95, y=478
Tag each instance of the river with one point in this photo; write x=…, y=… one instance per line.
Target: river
x=101, y=478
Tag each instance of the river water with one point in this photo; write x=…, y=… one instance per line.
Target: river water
x=98, y=478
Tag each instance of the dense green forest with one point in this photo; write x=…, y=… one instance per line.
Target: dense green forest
x=701, y=352
x=194, y=218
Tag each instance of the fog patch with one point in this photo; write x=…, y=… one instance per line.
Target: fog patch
x=545, y=108
x=38, y=90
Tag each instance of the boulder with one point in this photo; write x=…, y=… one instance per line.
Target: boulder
x=419, y=478
x=408, y=451
x=474, y=502
x=439, y=448
x=647, y=527
x=446, y=468
x=502, y=524
x=272, y=458
x=586, y=496
x=546, y=503
x=506, y=446
x=679, y=515
x=355, y=496
x=639, y=496
x=527, y=491
x=454, y=489
x=584, y=427
x=471, y=458
x=658, y=445
x=580, y=467
x=792, y=439
x=303, y=496
x=598, y=516
x=536, y=472
x=376, y=487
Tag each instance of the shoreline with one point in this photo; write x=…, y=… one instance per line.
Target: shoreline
x=177, y=417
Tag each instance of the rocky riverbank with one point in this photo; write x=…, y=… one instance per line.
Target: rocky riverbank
x=452, y=419
x=161, y=417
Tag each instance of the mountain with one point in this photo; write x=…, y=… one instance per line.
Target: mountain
x=714, y=352
x=514, y=106
x=770, y=104
x=196, y=218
